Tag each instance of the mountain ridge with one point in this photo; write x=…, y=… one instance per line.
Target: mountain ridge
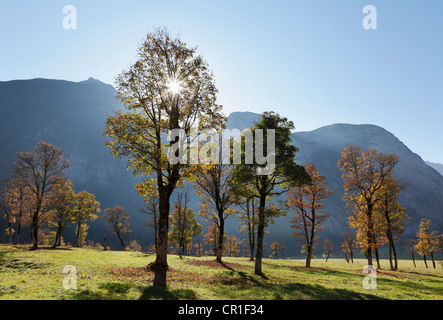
x=72, y=115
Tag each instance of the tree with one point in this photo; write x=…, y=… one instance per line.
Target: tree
x=86, y=208
x=277, y=177
x=392, y=215
x=348, y=246
x=168, y=87
x=410, y=246
x=275, y=246
x=213, y=186
x=364, y=174
x=7, y=207
x=232, y=248
x=184, y=225
x=328, y=248
x=427, y=241
x=282, y=245
x=118, y=218
x=248, y=204
x=151, y=208
x=39, y=171
x=306, y=201
x=60, y=206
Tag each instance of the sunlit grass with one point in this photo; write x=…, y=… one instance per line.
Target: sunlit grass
x=120, y=275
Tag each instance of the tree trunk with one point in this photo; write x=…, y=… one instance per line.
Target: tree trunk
x=413, y=258
x=104, y=241
x=308, y=257
x=221, y=234
x=260, y=236
x=19, y=228
x=377, y=257
x=424, y=258
x=432, y=258
x=77, y=238
x=57, y=240
x=34, y=230
x=121, y=241
x=390, y=256
x=161, y=261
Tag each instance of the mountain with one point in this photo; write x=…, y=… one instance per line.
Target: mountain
x=437, y=166
x=423, y=196
x=72, y=115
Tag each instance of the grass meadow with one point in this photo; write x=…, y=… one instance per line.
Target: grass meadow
x=108, y=275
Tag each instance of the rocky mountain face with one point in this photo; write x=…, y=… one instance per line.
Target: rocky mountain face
x=72, y=115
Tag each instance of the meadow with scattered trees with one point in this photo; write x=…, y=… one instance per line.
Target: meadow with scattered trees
x=171, y=87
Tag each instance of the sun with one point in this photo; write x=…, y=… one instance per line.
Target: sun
x=174, y=86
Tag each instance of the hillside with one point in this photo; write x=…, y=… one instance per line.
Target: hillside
x=72, y=115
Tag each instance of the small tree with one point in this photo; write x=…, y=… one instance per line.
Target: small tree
x=247, y=214
x=184, y=225
x=328, y=248
x=151, y=208
x=427, y=241
x=118, y=218
x=275, y=246
x=39, y=171
x=306, y=201
x=348, y=246
x=410, y=246
x=213, y=186
x=86, y=208
x=61, y=206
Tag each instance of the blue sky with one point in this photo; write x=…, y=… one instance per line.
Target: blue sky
x=309, y=60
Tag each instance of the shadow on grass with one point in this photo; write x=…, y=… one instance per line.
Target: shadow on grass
x=119, y=291
x=155, y=292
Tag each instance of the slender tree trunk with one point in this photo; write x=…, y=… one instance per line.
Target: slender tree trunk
x=413, y=258
x=424, y=258
x=260, y=236
x=432, y=258
x=220, y=238
x=19, y=228
x=121, y=241
x=104, y=241
x=390, y=256
x=377, y=257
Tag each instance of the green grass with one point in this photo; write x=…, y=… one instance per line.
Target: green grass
x=38, y=274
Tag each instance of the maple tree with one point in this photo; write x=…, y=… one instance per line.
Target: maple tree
x=348, y=246
x=275, y=246
x=306, y=201
x=391, y=215
x=285, y=172
x=364, y=173
x=248, y=217
x=328, y=248
x=184, y=225
x=86, y=208
x=217, y=197
x=39, y=171
x=168, y=87
x=118, y=218
x=60, y=205
x=428, y=241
